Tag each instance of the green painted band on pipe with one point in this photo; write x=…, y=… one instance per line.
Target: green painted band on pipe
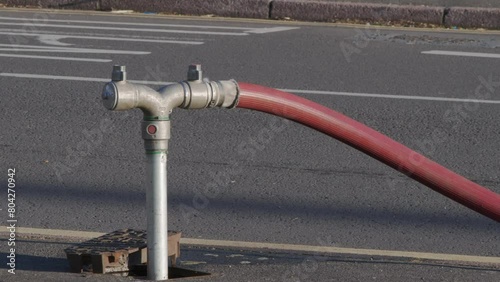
x=156, y=152
x=156, y=118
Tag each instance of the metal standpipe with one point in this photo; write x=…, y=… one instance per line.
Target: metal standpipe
x=157, y=106
x=156, y=203
x=155, y=133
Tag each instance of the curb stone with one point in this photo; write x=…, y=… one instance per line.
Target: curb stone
x=333, y=11
x=473, y=17
x=258, y=9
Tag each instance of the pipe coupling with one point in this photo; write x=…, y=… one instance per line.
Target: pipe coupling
x=210, y=94
x=155, y=134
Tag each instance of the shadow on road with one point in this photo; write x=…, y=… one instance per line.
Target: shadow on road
x=37, y=263
x=328, y=210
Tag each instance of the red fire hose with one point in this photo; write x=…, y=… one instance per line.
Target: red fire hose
x=372, y=143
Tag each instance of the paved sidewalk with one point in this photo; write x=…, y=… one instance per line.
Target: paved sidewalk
x=448, y=13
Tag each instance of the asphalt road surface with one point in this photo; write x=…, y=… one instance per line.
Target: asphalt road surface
x=81, y=167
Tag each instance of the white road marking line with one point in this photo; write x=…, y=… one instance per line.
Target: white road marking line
x=388, y=96
x=33, y=46
x=270, y=29
x=51, y=39
x=296, y=91
x=41, y=35
x=462, y=54
x=127, y=29
x=273, y=246
x=76, y=50
x=247, y=29
x=56, y=58
x=126, y=23
x=77, y=78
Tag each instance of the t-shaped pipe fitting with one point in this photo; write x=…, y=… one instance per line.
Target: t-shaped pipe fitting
x=194, y=93
x=119, y=95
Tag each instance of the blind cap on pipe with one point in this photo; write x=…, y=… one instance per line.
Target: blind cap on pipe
x=110, y=96
x=119, y=73
x=195, y=73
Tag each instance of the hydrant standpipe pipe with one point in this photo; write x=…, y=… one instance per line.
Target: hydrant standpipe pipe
x=372, y=143
x=195, y=93
x=157, y=216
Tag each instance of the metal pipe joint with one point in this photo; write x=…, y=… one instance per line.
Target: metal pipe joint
x=195, y=93
x=200, y=93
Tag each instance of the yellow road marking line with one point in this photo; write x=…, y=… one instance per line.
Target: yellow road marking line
x=273, y=246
